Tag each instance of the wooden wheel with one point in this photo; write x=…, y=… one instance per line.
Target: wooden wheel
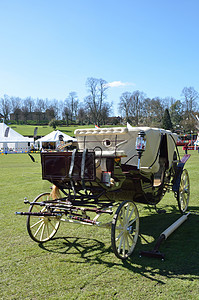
x=42, y=228
x=183, y=192
x=125, y=229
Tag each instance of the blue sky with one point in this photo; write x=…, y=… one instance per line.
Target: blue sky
x=49, y=48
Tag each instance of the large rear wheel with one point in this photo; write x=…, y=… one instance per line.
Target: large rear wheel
x=183, y=192
x=42, y=228
x=125, y=229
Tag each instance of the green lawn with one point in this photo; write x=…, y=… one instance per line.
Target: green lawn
x=79, y=263
x=43, y=130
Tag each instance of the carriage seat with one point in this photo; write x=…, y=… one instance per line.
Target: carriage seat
x=159, y=176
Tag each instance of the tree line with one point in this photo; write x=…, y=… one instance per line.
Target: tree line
x=93, y=109
x=168, y=113
x=135, y=108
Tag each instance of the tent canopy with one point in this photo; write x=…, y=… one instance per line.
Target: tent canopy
x=54, y=138
x=7, y=135
x=10, y=140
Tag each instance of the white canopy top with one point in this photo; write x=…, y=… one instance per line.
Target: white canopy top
x=54, y=137
x=8, y=135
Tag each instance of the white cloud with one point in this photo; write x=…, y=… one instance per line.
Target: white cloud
x=118, y=84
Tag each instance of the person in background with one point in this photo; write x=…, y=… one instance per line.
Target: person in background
x=186, y=148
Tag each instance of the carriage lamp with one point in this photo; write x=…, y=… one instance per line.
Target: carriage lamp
x=140, y=145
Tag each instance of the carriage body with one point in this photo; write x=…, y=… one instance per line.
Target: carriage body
x=111, y=164
x=111, y=171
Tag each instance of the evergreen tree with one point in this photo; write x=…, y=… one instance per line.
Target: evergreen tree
x=53, y=123
x=166, y=122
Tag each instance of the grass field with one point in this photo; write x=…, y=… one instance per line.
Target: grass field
x=78, y=263
x=28, y=130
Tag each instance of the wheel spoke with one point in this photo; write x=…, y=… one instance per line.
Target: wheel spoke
x=125, y=229
x=52, y=225
x=127, y=212
x=130, y=215
x=38, y=229
x=121, y=221
x=123, y=252
x=127, y=241
x=35, y=224
x=42, y=231
x=46, y=227
x=183, y=192
x=132, y=221
x=132, y=238
x=48, y=234
x=120, y=244
x=119, y=235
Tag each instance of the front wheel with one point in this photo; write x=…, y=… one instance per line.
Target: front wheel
x=42, y=228
x=125, y=229
x=183, y=192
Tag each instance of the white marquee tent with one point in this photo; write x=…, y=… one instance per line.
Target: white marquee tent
x=52, y=140
x=11, y=141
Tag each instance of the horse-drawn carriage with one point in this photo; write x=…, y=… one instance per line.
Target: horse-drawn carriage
x=111, y=171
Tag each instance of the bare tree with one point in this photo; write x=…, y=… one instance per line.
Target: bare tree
x=131, y=105
x=30, y=104
x=152, y=111
x=76, y=106
x=96, y=98
x=102, y=87
x=125, y=105
x=16, y=103
x=82, y=115
x=137, y=103
x=38, y=109
x=190, y=96
x=5, y=106
x=157, y=111
x=105, y=112
x=176, y=113
x=25, y=112
x=146, y=111
x=40, y=105
x=190, y=99
x=72, y=104
x=54, y=105
x=66, y=113
x=168, y=101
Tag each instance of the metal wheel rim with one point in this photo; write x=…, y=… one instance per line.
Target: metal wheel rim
x=125, y=229
x=42, y=229
x=184, y=191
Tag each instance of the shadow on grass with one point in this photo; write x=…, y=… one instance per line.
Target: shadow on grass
x=181, y=249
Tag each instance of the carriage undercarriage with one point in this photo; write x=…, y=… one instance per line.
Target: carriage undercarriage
x=85, y=197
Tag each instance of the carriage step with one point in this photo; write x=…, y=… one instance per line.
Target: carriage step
x=185, y=158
